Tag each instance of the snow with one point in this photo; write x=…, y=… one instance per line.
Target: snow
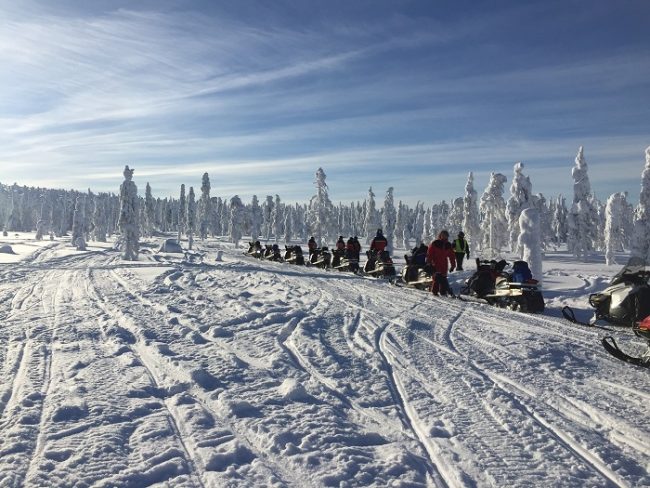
x=171, y=372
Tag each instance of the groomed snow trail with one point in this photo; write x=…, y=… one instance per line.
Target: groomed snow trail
x=249, y=373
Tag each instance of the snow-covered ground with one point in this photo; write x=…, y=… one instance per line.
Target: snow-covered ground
x=172, y=372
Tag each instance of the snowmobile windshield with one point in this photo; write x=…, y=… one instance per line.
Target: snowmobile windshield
x=635, y=271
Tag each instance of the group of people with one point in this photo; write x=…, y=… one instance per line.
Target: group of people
x=442, y=256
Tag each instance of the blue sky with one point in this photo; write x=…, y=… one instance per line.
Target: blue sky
x=410, y=94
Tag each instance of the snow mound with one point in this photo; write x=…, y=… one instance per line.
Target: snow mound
x=291, y=390
x=171, y=246
x=6, y=249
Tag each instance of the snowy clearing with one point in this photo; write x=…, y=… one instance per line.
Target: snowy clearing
x=166, y=372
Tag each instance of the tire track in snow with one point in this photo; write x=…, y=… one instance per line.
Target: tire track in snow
x=159, y=369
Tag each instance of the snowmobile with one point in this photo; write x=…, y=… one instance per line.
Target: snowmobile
x=272, y=253
x=293, y=255
x=321, y=257
x=417, y=273
x=342, y=262
x=516, y=290
x=254, y=249
x=641, y=329
x=379, y=264
x=626, y=300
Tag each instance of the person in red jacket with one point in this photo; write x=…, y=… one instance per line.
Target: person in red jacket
x=440, y=251
x=379, y=243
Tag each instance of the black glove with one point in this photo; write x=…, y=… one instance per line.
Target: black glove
x=451, y=270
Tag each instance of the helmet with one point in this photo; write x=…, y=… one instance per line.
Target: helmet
x=379, y=232
x=461, y=234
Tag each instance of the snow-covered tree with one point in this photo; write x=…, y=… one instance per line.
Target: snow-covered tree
x=277, y=219
x=191, y=217
x=455, y=218
x=418, y=223
x=614, y=226
x=288, y=224
x=320, y=208
x=236, y=219
x=149, y=212
x=267, y=225
x=99, y=220
x=494, y=227
x=582, y=218
x=182, y=213
x=78, y=222
x=530, y=242
x=471, y=224
x=520, y=199
x=389, y=219
x=371, y=222
x=559, y=221
x=128, y=219
x=641, y=236
x=205, y=206
x=256, y=218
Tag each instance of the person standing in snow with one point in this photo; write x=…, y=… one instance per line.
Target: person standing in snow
x=340, y=244
x=440, y=251
x=311, y=245
x=461, y=248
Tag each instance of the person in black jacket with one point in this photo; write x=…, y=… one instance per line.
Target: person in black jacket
x=461, y=249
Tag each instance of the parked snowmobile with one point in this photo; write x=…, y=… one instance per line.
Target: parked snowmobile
x=626, y=300
x=321, y=257
x=642, y=329
x=379, y=265
x=293, y=255
x=516, y=289
x=254, y=249
x=417, y=273
x=341, y=261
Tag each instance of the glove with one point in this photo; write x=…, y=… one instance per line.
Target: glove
x=451, y=270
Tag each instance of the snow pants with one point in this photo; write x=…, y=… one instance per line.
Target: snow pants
x=459, y=260
x=440, y=284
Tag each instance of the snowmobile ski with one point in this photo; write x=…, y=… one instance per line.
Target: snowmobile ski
x=570, y=315
x=609, y=343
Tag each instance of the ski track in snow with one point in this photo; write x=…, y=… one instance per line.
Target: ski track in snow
x=249, y=373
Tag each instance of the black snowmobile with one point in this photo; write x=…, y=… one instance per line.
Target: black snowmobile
x=320, y=257
x=254, y=249
x=516, y=290
x=379, y=264
x=341, y=261
x=271, y=253
x=293, y=255
x=416, y=273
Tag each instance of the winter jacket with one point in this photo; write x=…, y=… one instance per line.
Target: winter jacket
x=437, y=255
x=340, y=245
x=461, y=246
x=379, y=243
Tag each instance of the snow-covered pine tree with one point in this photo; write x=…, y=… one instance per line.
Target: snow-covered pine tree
x=191, y=217
x=149, y=211
x=418, y=223
x=288, y=223
x=628, y=223
x=205, y=206
x=521, y=192
x=371, y=222
x=267, y=224
x=256, y=218
x=426, y=227
x=320, y=208
x=530, y=241
x=389, y=219
x=78, y=223
x=128, y=220
x=455, y=220
x=494, y=228
x=471, y=223
x=614, y=226
x=582, y=219
x=236, y=220
x=182, y=213
x=559, y=221
x=641, y=236
x=277, y=219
